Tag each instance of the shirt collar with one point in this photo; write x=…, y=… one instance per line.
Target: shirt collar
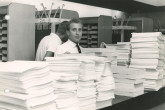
x=52, y=34
x=71, y=43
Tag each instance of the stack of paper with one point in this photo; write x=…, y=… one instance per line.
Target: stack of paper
x=65, y=72
x=113, y=48
x=153, y=79
x=128, y=81
x=109, y=53
x=93, y=78
x=105, y=87
x=26, y=85
x=86, y=91
x=88, y=75
x=148, y=53
x=164, y=67
x=164, y=76
x=123, y=53
x=99, y=68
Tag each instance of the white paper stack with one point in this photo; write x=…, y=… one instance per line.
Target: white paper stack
x=164, y=76
x=65, y=72
x=164, y=66
x=26, y=85
x=113, y=48
x=86, y=91
x=148, y=53
x=99, y=69
x=105, y=87
x=153, y=79
x=128, y=81
x=123, y=53
x=109, y=53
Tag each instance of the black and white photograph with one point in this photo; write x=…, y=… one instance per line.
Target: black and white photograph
x=82, y=54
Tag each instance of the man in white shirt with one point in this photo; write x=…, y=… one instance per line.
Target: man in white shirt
x=48, y=45
x=74, y=32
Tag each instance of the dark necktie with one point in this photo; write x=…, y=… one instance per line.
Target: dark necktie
x=78, y=48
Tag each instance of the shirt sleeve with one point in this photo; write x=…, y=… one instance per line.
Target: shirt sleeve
x=53, y=44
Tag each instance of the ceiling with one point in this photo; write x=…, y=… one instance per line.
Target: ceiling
x=129, y=6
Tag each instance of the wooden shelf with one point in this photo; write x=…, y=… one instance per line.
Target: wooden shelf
x=122, y=29
x=17, y=36
x=96, y=30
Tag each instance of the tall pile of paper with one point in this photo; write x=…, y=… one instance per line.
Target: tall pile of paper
x=86, y=90
x=123, y=53
x=148, y=53
x=105, y=86
x=96, y=69
x=65, y=72
x=128, y=81
x=94, y=82
x=26, y=85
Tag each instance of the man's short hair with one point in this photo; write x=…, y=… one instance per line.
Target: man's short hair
x=61, y=31
x=74, y=21
x=62, y=27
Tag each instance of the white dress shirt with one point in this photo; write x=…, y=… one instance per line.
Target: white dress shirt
x=48, y=43
x=67, y=47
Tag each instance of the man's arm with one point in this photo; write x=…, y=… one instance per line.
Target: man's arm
x=48, y=54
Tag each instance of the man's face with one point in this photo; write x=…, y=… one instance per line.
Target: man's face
x=75, y=32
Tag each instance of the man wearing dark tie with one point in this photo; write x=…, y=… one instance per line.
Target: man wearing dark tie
x=74, y=32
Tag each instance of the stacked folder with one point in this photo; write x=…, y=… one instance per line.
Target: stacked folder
x=65, y=72
x=105, y=87
x=128, y=81
x=26, y=85
x=148, y=53
x=123, y=53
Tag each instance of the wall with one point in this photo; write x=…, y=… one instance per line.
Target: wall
x=83, y=10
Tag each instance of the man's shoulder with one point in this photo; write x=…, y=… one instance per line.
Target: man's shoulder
x=51, y=38
x=64, y=44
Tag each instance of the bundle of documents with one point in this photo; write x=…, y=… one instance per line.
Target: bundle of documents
x=26, y=85
x=99, y=68
x=147, y=50
x=109, y=53
x=128, y=81
x=113, y=48
x=95, y=81
x=123, y=53
x=86, y=91
x=65, y=72
x=148, y=53
x=164, y=69
x=105, y=87
x=153, y=79
x=164, y=76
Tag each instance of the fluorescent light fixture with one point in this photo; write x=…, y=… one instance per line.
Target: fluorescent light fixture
x=153, y=2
